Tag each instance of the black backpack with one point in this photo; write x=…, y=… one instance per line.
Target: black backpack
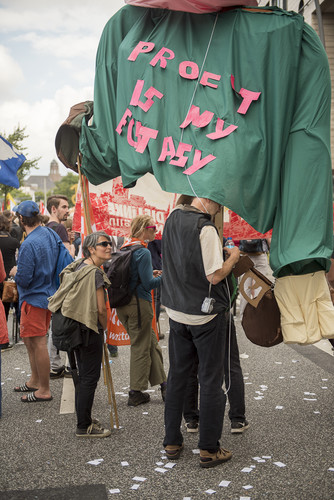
x=118, y=273
x=67, y=333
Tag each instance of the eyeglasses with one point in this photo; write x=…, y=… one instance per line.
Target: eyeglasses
x=151, y=227
x=104, y=244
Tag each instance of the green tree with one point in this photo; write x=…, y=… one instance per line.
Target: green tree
x=39, y=195
x=16, y=139
x=67, y=186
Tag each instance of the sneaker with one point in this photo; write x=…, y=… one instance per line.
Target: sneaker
x=163, y=388
x=138, y=398
x=58, y=373
x=7, y=347
x=208, y=459
x=68, y=372
x=192, y=426
x=173, y=452
x=113, y=350
x=239, y=427
x=93, y=431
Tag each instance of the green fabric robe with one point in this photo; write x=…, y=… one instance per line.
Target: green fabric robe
x=266, y=158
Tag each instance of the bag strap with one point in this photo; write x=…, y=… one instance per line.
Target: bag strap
x=58, y=244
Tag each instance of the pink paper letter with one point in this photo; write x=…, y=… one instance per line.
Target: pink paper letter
x=182, y=159
x=129, y=135
x=183, y=70
x=136, y=93
x=148, y=94
x=198, y=162
x=160, y=57
x=167, y=149
x=219, y=130
x=198, y=120
x=248, y=97
x=145, y=134
x=123, y=121
x=205, y=79
x=141, y=47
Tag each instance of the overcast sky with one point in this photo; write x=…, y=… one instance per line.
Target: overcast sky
x=47, y=61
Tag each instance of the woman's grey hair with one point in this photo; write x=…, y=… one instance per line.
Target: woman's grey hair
x=91, y=240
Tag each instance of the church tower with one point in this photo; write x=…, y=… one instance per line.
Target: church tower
x=54, y=171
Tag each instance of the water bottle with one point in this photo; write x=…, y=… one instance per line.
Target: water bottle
x=229, y=243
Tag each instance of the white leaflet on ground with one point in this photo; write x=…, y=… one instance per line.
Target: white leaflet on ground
x=224, y=484
x=97, y=461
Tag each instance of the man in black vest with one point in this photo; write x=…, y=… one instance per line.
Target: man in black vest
x=196, y=298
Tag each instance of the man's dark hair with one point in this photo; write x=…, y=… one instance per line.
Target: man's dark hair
x=53, y=201
x=31, y=221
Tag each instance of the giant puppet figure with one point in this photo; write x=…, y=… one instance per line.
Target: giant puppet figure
x=230, y=103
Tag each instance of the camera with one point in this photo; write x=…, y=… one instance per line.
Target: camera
x=207, y=305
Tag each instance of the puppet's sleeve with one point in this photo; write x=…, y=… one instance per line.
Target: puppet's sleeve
x=303, y=223
x=98, y=141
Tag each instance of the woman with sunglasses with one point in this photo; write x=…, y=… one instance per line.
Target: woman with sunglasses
x=82, y=297
x=146, y=362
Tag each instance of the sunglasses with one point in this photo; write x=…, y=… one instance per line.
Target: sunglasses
x=104, y=244
x=151, y=227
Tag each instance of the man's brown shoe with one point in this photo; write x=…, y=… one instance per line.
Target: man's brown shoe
x=208, y=460
x=173, y=451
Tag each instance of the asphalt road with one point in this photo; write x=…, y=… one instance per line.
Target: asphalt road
x=286, y=454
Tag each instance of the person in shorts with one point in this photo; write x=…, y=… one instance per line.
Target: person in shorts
x=34, y=275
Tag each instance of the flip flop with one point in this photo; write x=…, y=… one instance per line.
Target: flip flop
x=24, y=388
x=31, y=398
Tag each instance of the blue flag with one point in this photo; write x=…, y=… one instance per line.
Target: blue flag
x=10, y=162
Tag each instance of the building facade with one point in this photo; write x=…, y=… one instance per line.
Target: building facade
x=43, y=183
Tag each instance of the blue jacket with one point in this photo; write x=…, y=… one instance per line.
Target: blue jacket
x=141, y=266
x=36, y=265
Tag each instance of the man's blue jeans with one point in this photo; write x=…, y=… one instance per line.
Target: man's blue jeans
x=185, y=343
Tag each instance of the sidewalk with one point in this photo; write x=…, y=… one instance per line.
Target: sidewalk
x=286, y=453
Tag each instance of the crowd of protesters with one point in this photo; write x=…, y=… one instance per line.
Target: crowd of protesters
x=203, y=350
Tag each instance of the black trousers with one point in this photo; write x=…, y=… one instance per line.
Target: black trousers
x=234, y=381
x=207, y=342
x=88, y=358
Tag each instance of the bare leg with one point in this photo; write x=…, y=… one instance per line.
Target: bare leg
x=34, y=378
x=40, y=365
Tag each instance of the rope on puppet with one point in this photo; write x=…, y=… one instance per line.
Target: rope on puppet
x=196, y=87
